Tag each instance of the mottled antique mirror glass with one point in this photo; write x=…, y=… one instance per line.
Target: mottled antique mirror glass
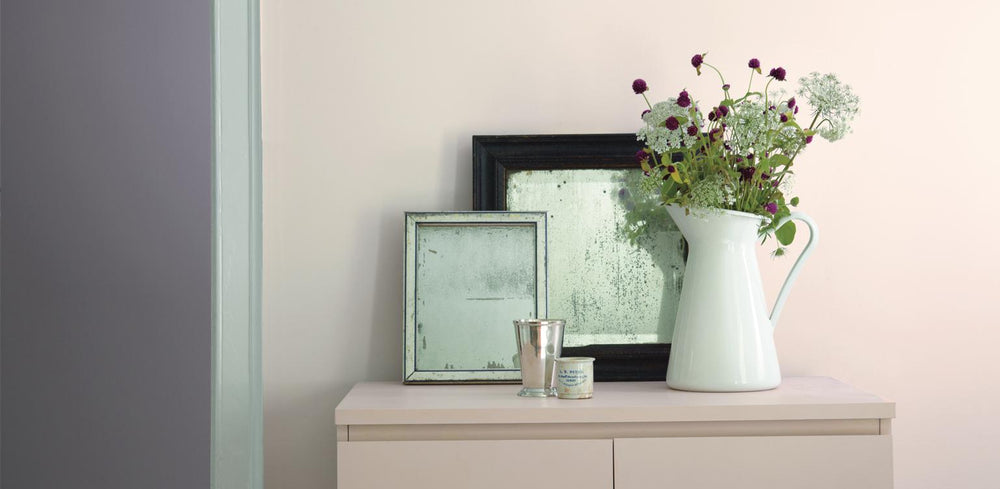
x=614, y=283
x=616, y=260
x=469, y=275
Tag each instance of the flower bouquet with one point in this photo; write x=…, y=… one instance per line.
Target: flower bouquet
x=739, y=155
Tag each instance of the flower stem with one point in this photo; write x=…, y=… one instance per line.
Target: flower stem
x=647, y=101
x=717, y=71
x=811, y=124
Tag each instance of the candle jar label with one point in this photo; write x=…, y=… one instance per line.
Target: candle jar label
x=575, y=377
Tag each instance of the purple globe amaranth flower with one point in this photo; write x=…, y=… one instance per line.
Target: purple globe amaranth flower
x=692, y=131
x=784, y=118
x=715, y=135
x=754, y=63
x=739, y=159
x=791, y=102
x=723, y=111
x=643, y=114
x=771, y=207
x=746, y=173
x=778, y=73
x=764, y=176
x=713, y=115
x=671, y=169
x=750, y=157
x=641, y=155
x=672, y=123
x=683, y=99
x=697, y=60
x=639, y=86
x=726, y=87
x=809, y=139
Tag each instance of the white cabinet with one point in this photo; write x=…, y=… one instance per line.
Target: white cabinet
x=811, y=432
x=814, y=462
x=486, y=464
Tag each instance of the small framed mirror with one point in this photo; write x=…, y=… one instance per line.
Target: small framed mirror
x=469, y=275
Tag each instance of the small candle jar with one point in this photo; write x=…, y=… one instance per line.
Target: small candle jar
x=575, y=377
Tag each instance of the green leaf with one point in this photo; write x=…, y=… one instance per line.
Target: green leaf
x=779, y=160
x=794, y=202
x=644, y=163
x=786, y=234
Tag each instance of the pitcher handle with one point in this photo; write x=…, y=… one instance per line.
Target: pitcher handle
x=794, y=272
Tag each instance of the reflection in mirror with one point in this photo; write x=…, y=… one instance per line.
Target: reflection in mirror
x=472, y=283
x=616, y=260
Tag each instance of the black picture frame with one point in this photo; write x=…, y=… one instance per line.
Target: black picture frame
x=496, y=156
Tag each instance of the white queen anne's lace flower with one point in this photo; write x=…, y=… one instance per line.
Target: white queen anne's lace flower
x=749, y=127
x=659, y=135
x=834, y=102
x=711, y=193
x=758, y=128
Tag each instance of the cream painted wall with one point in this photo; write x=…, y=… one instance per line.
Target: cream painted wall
x=369, y=108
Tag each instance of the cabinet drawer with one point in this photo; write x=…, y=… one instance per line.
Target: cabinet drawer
x=772, y=462
x=499, y=464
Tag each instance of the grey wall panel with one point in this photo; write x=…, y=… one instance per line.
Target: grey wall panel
x=105, y=320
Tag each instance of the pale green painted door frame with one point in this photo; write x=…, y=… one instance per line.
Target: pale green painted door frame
x=237, y=398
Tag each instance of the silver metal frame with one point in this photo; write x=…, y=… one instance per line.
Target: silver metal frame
x=411, y=374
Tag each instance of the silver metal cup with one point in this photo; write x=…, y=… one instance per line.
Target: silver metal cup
x=539, y=342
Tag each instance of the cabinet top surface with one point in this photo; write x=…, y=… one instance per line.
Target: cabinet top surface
x=797, y=398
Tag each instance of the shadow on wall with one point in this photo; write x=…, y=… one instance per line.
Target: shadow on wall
x=384, y=360
x=461, y=145
x=385, y=344
x=299, y=416
x=385, y=355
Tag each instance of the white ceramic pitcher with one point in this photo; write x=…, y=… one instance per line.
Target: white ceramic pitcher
x=724, y=335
